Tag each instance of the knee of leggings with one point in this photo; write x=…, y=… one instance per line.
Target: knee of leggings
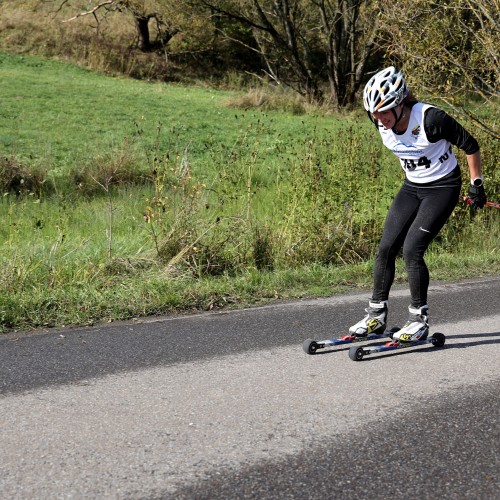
x=412, y=257
x=386, y=252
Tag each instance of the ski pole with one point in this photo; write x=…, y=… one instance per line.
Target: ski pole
x=487, y=204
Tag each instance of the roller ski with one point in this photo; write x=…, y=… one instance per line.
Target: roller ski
x=312, y=346
x=358, y=353
x=414, y=333
x=371, y=327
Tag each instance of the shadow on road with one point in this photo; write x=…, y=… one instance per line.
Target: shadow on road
x=474, y=335
x=493, y=338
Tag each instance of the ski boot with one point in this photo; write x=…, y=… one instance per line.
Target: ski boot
x=375, y=322
x=416, y=328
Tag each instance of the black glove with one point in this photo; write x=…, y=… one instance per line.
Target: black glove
x=477, y=196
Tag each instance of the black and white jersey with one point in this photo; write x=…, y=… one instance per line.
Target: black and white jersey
x=425, y=148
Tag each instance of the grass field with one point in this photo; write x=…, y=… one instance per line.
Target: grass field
x=122, y=198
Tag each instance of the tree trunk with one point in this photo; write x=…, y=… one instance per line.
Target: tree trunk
x=142, y=26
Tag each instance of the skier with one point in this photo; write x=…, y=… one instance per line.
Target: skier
x=421, y=136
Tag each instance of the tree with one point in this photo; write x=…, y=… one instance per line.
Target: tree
x=144, y=12
x=349, y=30
x=303, y=42
x=299, y=43
x=448, y=49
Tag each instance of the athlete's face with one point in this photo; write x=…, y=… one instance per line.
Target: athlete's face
x=387, y=118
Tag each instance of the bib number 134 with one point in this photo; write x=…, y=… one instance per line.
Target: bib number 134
x=411, y=165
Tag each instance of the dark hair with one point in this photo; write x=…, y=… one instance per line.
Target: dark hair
x=410, y=100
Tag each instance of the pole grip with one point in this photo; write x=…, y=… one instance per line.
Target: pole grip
x=490, y=204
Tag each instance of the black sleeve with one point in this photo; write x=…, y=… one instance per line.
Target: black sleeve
x=439, y=125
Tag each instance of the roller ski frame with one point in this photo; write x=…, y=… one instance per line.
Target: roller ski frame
x=312, y=346
x=357, y=353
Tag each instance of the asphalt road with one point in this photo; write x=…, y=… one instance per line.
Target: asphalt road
x=227, y=405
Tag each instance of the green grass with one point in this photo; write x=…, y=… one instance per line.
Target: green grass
x=242, y=206
x=74, y=113
x=61, y=114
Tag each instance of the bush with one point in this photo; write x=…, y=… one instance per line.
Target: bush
x=20, y=179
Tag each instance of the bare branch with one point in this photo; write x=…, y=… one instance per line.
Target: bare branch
x=89, y=12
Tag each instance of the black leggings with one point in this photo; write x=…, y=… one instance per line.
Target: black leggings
x=415, y=217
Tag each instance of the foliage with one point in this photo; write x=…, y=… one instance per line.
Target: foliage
x=302, y=43
x=324, y=49
x=318, y=48
x=449, y=50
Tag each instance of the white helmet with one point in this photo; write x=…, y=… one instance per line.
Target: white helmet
x=385, y=90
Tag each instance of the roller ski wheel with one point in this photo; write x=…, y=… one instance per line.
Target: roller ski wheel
x=438, y=339
x=357, y=353
x=311, y=346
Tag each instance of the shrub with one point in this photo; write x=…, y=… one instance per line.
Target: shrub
x=17, y=177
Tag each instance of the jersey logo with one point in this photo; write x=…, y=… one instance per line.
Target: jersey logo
x=416, y=131
x=404, y=149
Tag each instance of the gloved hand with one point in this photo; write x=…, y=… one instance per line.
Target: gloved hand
x=477, y=196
